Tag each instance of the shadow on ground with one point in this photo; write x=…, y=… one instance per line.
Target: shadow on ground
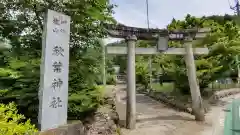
x=173, y=117
x=141, y=98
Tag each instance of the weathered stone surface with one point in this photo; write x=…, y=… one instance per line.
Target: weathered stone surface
x=223, y=93
x=106, y=119
x=76, y=129
x=70, y=129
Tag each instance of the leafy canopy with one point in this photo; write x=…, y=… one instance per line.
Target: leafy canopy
x=21, y=23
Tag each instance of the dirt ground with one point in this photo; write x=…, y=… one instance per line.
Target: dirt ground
x=157, y=119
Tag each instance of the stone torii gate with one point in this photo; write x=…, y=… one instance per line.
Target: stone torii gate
x=162, y=36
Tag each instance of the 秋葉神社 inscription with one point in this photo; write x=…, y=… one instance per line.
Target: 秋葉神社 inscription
x=53, y=93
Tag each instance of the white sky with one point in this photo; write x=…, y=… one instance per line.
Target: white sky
x=161, y=12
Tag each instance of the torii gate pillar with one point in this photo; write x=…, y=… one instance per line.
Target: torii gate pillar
x=131, y=83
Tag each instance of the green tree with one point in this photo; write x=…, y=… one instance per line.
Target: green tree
x=21, y=22
x=223, y=43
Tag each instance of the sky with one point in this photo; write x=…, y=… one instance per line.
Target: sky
x=161, y=12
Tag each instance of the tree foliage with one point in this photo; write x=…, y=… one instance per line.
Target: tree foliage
x=223, y=43
x=21, y=22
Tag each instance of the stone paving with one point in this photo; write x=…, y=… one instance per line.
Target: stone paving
x=155, y=118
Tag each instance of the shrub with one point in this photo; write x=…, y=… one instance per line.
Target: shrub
x=84, y=103
x=111, y=79
x=142, y=74
x=12, y=123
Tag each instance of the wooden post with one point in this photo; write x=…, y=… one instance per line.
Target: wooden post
x=197, y=105
x=131, y=83
x=103, y=44
x=150, y=72
x=238, y=68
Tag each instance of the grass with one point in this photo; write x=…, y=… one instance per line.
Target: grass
x=218, y=86
x=166, y=87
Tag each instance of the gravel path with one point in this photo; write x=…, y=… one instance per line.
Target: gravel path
x=157, y=119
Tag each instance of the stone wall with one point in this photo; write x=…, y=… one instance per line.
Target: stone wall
x=164, y=98
x=224, y=93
